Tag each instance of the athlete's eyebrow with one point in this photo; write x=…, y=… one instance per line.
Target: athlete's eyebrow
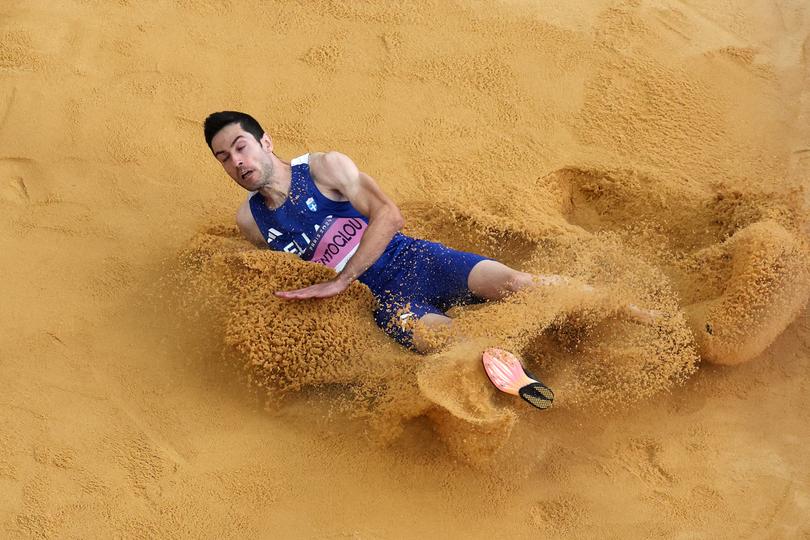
x=231, y=146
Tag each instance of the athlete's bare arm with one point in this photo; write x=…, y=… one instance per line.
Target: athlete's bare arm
x=339, y=179
x=247, y=225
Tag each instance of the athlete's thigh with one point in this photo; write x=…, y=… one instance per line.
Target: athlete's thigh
x=493, y=280
x=443, y=274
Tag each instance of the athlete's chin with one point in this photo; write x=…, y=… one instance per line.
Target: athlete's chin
x=251, y=181
x=245, y=185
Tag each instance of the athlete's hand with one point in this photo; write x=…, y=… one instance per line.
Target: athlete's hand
x=319, y=290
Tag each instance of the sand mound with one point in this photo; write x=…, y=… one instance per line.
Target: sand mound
x=283, y=346
x=763, y=279
x=734, y=256
x=462, y=409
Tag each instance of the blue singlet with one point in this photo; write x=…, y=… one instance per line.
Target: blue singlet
x=411, y=278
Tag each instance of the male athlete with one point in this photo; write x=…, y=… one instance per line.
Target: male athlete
x=321, y=207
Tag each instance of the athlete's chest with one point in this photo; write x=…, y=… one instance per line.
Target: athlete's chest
x=329, y=240
x=309, y=224
x=314, y=230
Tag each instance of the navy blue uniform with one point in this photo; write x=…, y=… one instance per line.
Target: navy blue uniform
x=410, y=279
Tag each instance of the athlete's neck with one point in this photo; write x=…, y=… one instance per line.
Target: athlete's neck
x=275, y=192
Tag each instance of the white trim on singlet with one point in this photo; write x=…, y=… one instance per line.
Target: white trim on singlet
x=299, y=160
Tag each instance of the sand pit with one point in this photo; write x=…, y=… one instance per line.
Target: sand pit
x=155, y=387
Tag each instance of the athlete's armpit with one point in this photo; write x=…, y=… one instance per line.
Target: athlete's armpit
x=247, y=225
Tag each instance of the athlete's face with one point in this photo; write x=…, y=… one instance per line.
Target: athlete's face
x=245, y=159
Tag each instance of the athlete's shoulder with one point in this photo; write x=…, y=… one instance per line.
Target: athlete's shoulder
x=332, y=166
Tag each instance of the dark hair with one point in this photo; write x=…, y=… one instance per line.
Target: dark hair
x=218, y=120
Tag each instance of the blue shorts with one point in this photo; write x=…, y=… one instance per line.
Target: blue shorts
x=427, y=277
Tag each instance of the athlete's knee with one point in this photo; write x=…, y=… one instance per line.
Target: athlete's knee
x=421, y=345
x=518, y=281
x=431, y=333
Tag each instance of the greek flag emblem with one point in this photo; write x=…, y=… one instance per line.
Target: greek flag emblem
x=311, y=204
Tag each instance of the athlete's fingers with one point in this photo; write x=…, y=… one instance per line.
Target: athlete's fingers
x=293, y=295
x=320, y=290
x=301, y=290
x=290, y=295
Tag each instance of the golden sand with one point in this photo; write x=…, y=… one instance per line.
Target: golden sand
x=155, y=386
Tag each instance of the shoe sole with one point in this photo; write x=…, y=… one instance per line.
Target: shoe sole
x=537, y=395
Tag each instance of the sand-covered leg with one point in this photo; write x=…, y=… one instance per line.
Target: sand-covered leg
x=630, y=311
x=642, y=315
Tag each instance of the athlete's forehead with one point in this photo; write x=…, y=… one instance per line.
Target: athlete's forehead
x=227, y=137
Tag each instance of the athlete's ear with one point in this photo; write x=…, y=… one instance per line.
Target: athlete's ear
x=267, y=143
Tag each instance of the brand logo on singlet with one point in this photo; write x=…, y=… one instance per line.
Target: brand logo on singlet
x=311, y=204
x=272, y=234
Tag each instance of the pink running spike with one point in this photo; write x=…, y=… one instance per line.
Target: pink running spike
x=505, y=371
x=507, y=374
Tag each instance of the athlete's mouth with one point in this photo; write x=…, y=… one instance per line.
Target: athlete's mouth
x=246, y=174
